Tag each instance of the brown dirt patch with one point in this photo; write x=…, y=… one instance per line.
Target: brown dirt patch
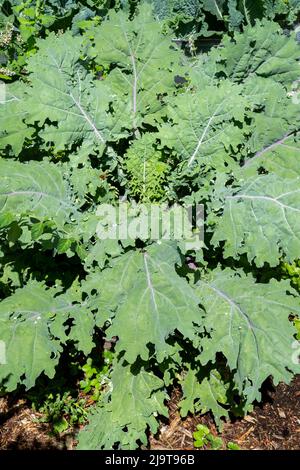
x=273, y=425
x=20, y=429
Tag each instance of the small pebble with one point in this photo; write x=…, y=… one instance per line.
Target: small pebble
x=281, y=413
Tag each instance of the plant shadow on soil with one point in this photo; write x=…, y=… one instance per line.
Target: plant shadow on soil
x=273, y=424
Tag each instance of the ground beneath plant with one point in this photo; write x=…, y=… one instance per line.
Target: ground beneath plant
x=275, y=424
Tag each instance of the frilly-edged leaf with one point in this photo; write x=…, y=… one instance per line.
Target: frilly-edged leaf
x=202, y=126
x=33, y=329
x=68, y=95
x=113, y=295
x=35, y=189
x=215, y=7
x=202, y=72
x=146, y=63
x=281, y=157
x=235, y=16
x=100, y=253
x=202, y=395
x=275, y=115
x=13, y=130
x=82, y=319
x=262, y=219
x=9, y=276
x=30, y=346
x=148, y=301
x=249, y=324
x=89, y=185
x=66, y=102
x=158, y=303
x=262, y=50
x=137, y=398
